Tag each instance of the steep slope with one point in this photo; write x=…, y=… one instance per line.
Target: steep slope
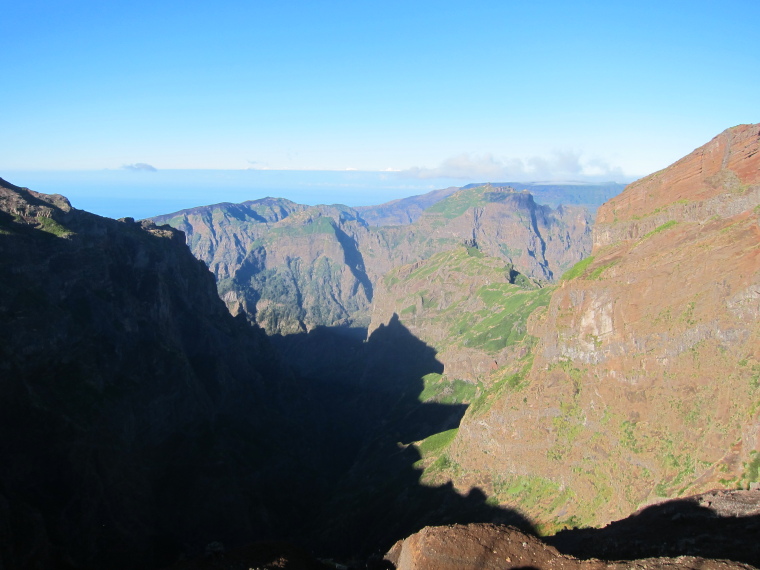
x=539, y=241
x=320, y=265
x=646, y=381
x=307, y=270
x=222, y=234
x=471, y=308
x=403, y=211
x=139, y=420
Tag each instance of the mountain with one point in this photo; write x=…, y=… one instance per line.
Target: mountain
x=645, y=380
x=139, y=419
x=403, y=211
x=555, y=194
x=408, y=210
x=471, y=308
x=312, y=266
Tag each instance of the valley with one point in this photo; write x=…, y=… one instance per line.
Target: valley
x=342, y=378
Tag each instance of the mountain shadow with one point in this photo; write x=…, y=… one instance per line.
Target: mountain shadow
x=139, y=420
x=719, y=525
x=365, y=397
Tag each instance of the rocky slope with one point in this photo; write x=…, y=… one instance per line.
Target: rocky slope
x=646, y=378
x=139, y=420
x=319, y=266
x=472, y=309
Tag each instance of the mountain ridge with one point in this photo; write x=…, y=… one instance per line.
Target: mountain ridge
x=268, y=270
x=622, y=389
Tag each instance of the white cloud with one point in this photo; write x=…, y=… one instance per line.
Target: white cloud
x=560, y=165
x=256, y=165
x=140, y=167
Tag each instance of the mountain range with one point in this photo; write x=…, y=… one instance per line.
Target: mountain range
x=420, y=373
x=291, y=267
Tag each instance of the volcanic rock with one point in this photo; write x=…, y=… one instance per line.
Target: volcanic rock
x=646, y=378
x=495, y=547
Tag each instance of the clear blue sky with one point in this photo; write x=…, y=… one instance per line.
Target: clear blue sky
x=489, y=89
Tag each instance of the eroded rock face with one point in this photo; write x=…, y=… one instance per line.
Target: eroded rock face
x=646, y=379
x=292, y=268
x=495, y=547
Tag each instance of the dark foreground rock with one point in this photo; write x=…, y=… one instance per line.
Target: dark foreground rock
x=139, y=420
x=718, y=524
x=493, y=547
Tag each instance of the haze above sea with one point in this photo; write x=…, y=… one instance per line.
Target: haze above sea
x=142, y=194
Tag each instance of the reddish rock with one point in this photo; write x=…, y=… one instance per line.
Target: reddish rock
x=494, y=547
x=697, y=177
x=646, y=378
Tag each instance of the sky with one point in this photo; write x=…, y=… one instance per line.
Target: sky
x=420, y=93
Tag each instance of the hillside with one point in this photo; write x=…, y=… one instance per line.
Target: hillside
x=138, y=418
x=645, y=378
x=320, y=265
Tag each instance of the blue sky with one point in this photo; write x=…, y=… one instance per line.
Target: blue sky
x=489, y=90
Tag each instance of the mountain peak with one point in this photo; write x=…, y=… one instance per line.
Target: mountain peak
x=719, y=179
x=729, y=162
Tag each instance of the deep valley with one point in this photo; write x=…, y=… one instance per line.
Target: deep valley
x=474, y=377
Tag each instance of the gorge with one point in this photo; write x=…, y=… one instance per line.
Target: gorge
x=470, y=358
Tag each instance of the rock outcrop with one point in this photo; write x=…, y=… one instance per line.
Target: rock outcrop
x=646, y=378
x=494, y=547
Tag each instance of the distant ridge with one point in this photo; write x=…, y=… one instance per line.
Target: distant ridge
x=589, y=195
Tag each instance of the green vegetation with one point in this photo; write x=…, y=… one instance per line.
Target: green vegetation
x=436, y=442
x=752, y=468
x=410, y=310
x=49, y=225
x=660, y=228
x=319, y=225
x=530, y=493
x=515, y=382
x=628, y=437
x=446, y=391
x=459, y=202
x=504, y=321
x=578, y=269
x=597, y=272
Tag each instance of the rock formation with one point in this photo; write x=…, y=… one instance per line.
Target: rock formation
x=292, y=268
x=645, y=383
x=493, y=547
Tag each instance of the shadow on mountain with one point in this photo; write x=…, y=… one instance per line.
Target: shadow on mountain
x=365, y=400
x=681, y=527
x=139, y=421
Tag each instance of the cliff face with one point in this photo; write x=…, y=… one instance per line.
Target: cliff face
x=645, y=382
x=320, y=266
x=470, y=307
x=133, y=403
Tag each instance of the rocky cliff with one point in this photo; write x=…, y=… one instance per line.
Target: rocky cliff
x=646, y=378
x=139, y=420
x=319, y=266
